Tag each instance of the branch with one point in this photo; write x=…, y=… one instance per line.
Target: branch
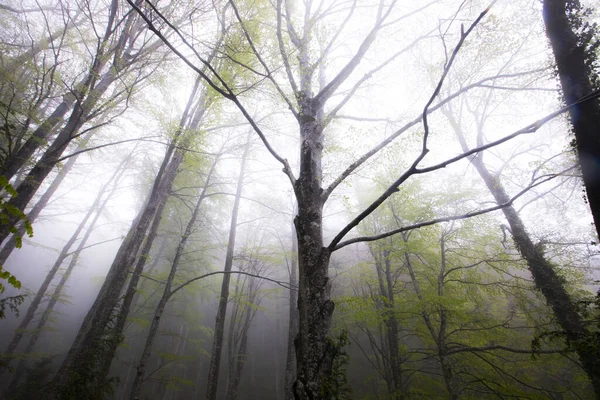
x=282, y=284
x=336, y=246
x=352, y=167
x=260, y=59
x=328, y=90
x=226, y=94
x=413, y=168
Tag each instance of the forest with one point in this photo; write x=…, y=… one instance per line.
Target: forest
x=299, y=199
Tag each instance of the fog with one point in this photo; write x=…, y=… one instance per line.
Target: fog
x=297, y=200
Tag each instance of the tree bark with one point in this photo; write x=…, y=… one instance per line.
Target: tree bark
x=571, y=60
x=217, y=347
x=147, y=351
x=97, y=207
x=545, y=277
x=32, y=215
x=290, y=364
x=89, y=341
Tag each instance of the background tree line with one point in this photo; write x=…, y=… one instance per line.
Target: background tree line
x=308, y=200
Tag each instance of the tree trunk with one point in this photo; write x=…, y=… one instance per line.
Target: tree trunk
x=390, y=322
x=544, y=276
x=574, y=72
x=16, y=160
x=85, y=360
x=314, y=351
x=141, y=368
x=50, y=276
x=97, y=207
x=32, y=215
x=215, y=358
x=290, y=364
x=80, y=115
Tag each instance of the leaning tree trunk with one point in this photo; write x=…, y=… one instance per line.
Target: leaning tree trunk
x=544, y=276
x=35, y=211
x=97, y=207
x=28, y=317
x=80, y=115
x=574, y=69
x=84, y=359
x=147, y=351
x=215, y=358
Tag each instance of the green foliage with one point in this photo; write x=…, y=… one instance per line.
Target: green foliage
x=12, y=303
x=7, y=213
x=336, y=386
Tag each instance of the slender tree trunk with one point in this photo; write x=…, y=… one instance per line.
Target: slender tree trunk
x=574, y=72
x=51, y=274
x=290, y=364
x=32, y=215
x=390, y=322
x=238, y=345
x=141, y=368
x=544, y=276
x=97, y=207
x=78, y=363
x=215, y=358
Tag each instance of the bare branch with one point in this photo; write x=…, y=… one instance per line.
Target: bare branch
x=336, y=246
x=280, y=283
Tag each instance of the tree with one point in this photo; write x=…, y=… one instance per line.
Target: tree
x=306, y=92
x=575, y=44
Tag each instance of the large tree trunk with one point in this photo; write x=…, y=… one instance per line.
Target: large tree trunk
x=215, y=358
x=314, y=352
x=574, y=72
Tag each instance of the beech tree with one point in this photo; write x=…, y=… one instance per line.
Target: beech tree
x=312, y=98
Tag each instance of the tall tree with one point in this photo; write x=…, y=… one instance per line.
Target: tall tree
x=217, y=347
x=306, y=93
x=575, y=45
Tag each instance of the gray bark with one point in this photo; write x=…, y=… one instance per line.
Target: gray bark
x=97, y=207
x=544, y=275
x=91, y=335
x=217, y=347
x=147, y=351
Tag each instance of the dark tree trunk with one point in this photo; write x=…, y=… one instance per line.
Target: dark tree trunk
x=571, y=58
x=290, y=364
x=80, y=115
x=85, y=360
x=215, y=358
x=32, y=215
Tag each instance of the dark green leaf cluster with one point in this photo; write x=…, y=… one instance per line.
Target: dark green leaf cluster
x=587, y=37
x=336, y=387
